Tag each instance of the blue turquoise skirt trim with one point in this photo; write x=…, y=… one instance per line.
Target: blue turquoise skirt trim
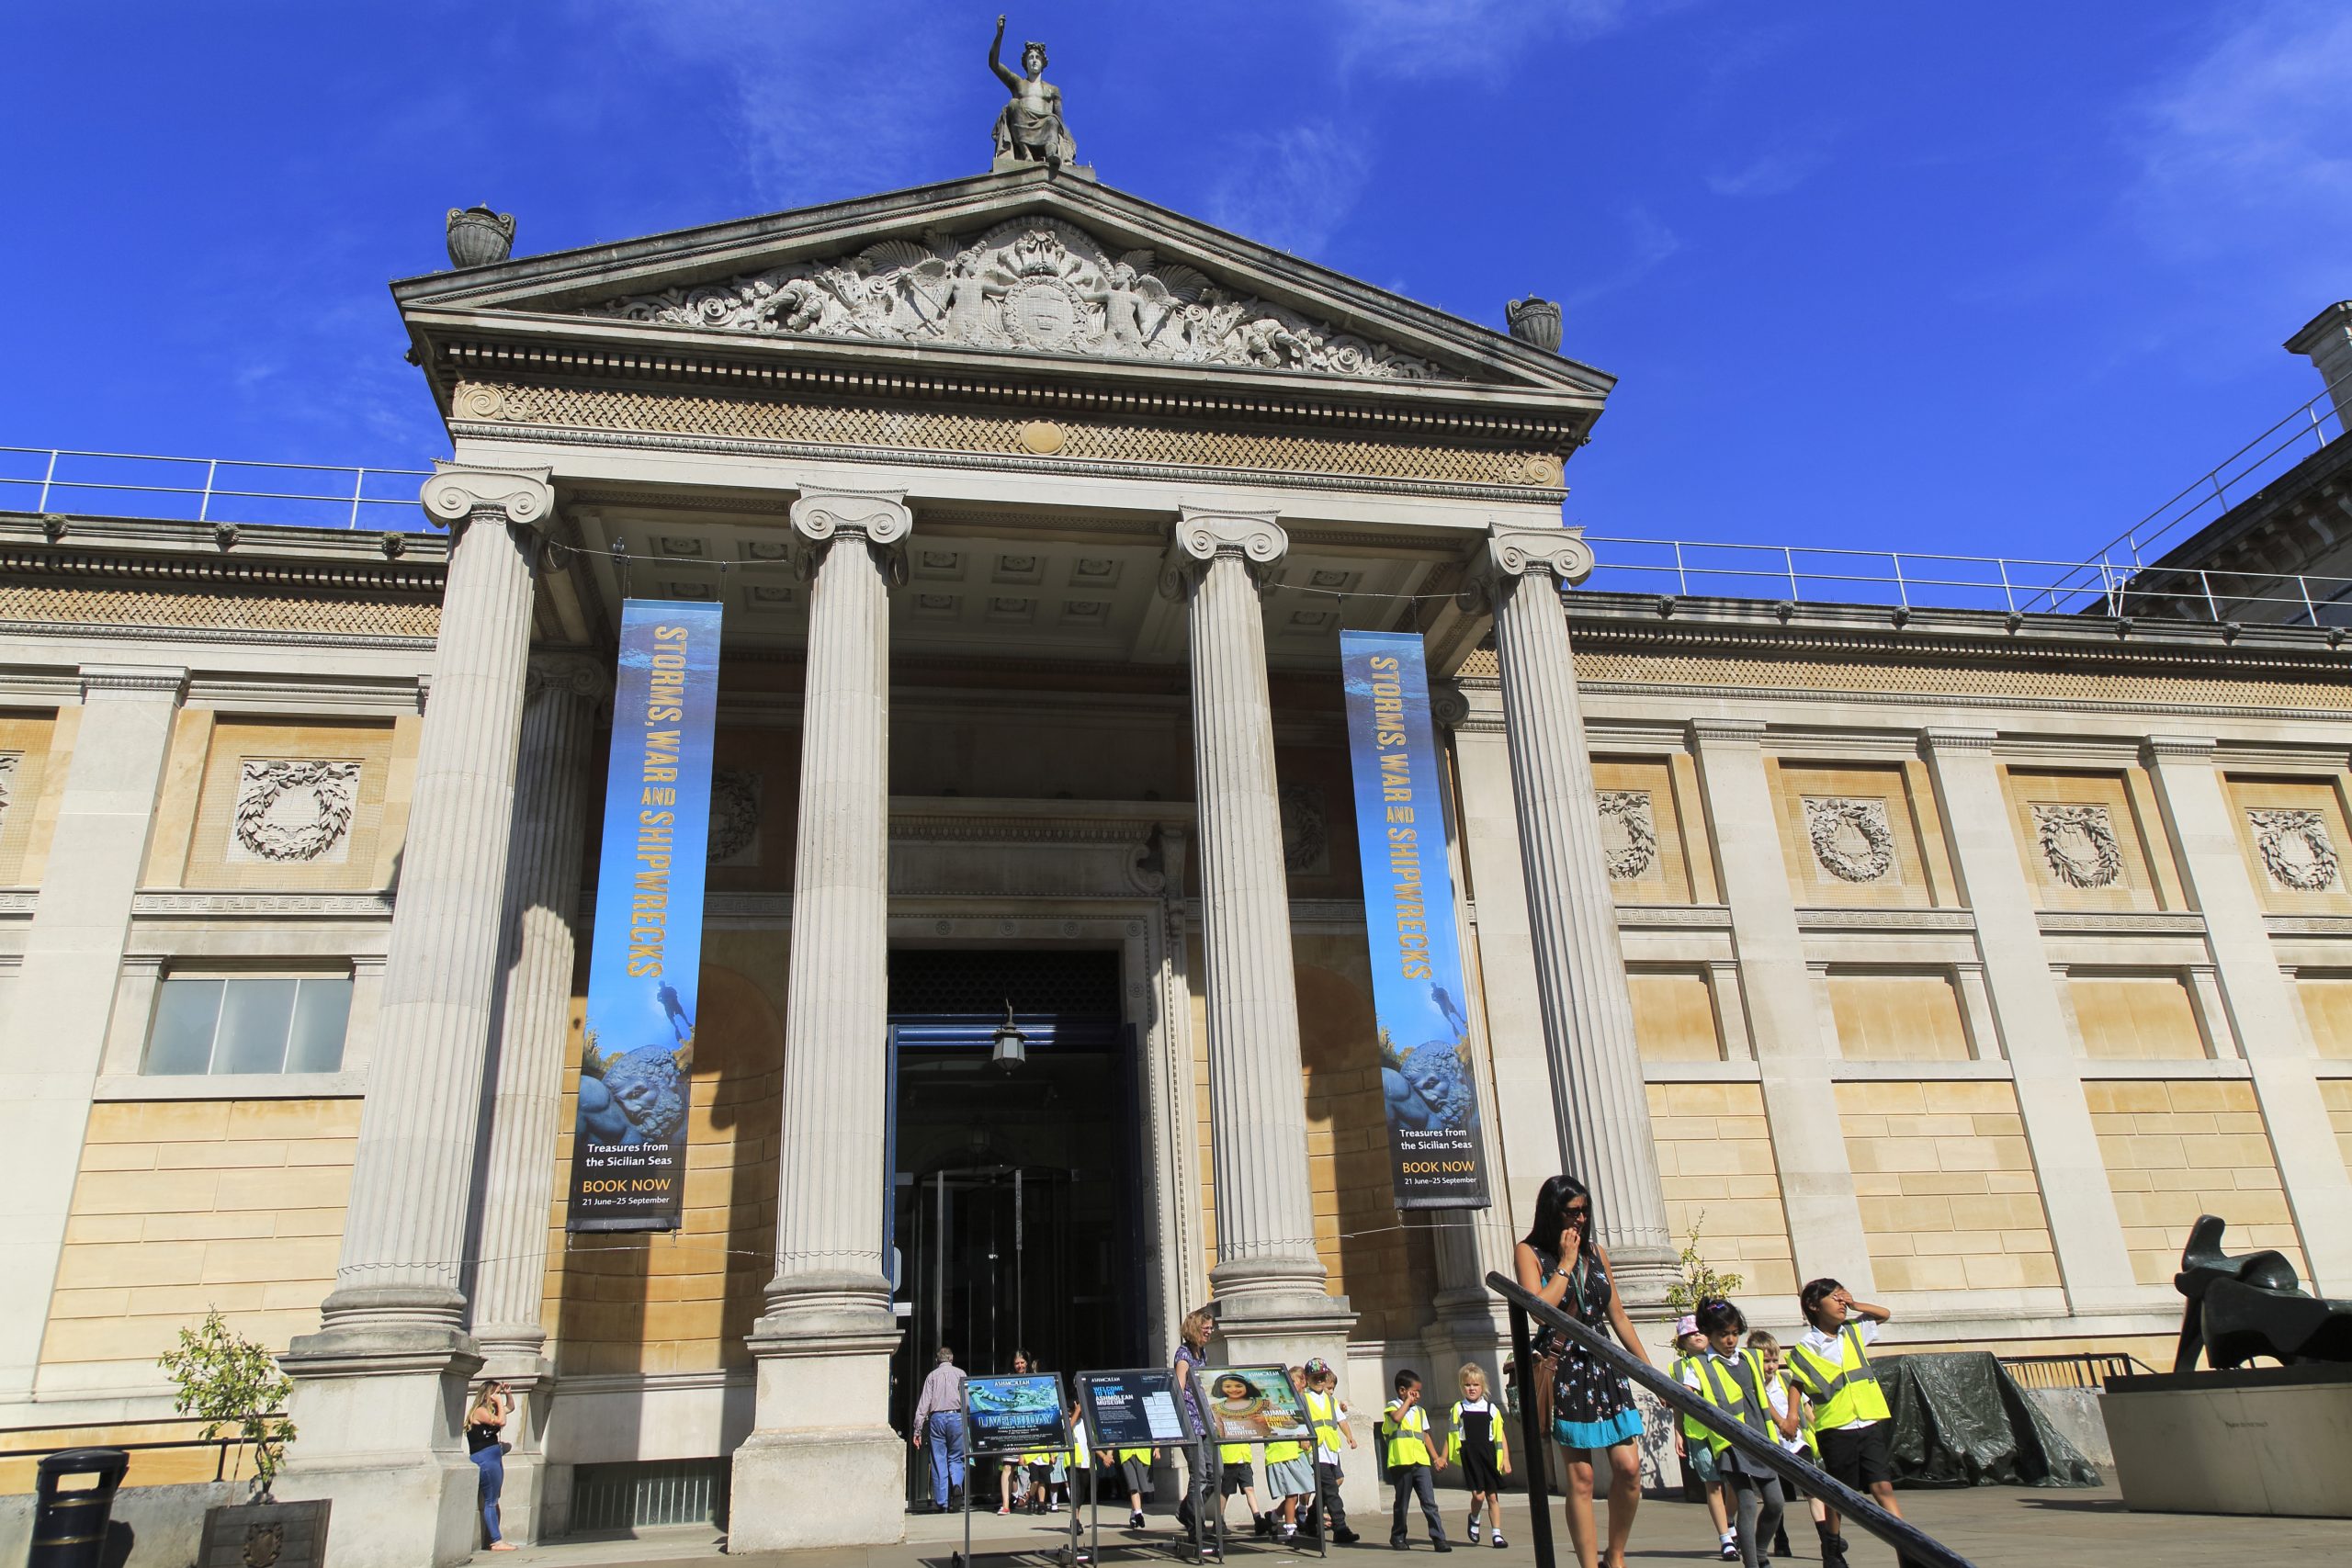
x=1623, y=1427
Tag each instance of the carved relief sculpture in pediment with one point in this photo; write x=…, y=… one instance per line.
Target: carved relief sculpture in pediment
x=1036, y=284
x=2295, y=847
x=1851, y=837
x=1628, y=831
x=294, y=810
x=2078, y=844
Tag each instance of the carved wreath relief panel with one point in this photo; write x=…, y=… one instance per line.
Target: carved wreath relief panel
x=1306, y=831
x=1852, y=837
x=2078, y=844
x=2295, y=847
x=1044, y=286
x=1628, y=832
x=734, y=817
x=294, y=810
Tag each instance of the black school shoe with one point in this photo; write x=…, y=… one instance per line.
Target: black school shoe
x=1345, y=1538
x=1440, y=1546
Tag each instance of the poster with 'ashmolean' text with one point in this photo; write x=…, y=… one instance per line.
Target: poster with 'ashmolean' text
x=628, y=1148
x=1417, y=997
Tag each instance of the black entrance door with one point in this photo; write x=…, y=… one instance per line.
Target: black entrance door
x=1014, y=1193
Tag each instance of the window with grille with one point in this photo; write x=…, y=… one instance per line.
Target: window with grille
x=278, y=1024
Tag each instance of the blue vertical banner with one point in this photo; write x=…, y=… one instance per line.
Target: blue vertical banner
x=628, y=1147
x=1417, y=997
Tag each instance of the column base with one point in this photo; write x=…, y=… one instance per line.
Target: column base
x=822, y=1466
x=1644, y=1275
x=380, y=1415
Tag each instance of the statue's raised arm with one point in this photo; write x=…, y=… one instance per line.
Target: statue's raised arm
x=996, y=57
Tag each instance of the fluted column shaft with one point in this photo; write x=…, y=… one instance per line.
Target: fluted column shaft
x=821, y=1466
x=1598, y=1096
x=542, y=896
x=1265, y=1216
x=405, y=1228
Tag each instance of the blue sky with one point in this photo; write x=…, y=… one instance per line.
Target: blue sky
x=1996, y=277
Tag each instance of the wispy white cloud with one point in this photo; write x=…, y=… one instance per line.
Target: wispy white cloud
x=1471, y=38
x=831, y=101
x=1773, y=172
x=1291, y=188
x=2249, y=148
x=1647, y=243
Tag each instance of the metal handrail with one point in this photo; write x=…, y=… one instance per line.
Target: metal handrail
x=1911, y=1543
x=2014, y=583
x=2081, y=1368
x=220, y=1464
x=349, y=503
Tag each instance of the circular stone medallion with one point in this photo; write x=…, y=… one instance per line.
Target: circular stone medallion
x=1042, y=312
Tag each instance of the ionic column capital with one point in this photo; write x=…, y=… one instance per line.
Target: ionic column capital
x=460, y=492
x=574, y=672
x=1202, y=534
x=820, y=517
x=1510, y=553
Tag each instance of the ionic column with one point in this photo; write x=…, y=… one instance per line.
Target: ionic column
x=518, y=1174
x=1267, y=1278
x=55, y=1036
x=822, y=1466
x=2085, y=1230
x=380, y=1389
x=2262, y=1010
x=1599, y=1101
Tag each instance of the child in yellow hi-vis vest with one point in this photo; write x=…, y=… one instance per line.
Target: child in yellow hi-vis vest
x=1410, y=1466
x=1691, y=1444
x=1133, y=1468
x=1476, y=1442
x=1779, y=1393
x=1850, y=1418
x=1732, y=1380
x=1329, y=1413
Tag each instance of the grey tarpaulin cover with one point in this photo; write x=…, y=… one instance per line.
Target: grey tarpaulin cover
x=1961, y=1420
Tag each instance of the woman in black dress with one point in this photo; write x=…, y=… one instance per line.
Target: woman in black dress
x=1590, y=1408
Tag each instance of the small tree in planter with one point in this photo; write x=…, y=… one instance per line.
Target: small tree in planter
x=1699, y=1283
x=232, y=1384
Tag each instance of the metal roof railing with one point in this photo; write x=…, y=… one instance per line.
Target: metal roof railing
x=212, y=490
x=1918, y=579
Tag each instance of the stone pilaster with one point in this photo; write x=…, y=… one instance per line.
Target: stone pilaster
x=821, y=1466
x=2262, y=1010
x=64, y=994
x=1267, y=1278
x=2084, y=1228
x=1600, y=1103
x=379, y=1390
x=518, y=1173
x=1793, y=1057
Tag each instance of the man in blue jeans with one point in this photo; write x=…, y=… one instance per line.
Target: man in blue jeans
x=939, y=1416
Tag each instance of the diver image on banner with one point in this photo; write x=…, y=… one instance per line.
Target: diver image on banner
x=628, y=1153
x=1427, y=1083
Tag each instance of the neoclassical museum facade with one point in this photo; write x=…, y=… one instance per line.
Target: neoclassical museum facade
x=1967, y=957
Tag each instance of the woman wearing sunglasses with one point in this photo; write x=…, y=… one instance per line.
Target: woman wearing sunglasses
x=1590, y=1407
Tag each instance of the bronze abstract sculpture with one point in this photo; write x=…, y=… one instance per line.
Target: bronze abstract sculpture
x=2251, y=1306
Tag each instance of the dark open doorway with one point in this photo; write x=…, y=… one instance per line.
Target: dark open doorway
x=1015, y=1194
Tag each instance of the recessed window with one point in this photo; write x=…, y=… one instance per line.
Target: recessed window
x=289, y=1025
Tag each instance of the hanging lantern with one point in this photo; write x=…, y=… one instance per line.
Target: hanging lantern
x=1009, y=1050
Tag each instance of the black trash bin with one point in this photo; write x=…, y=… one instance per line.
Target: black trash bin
x=70, y=1526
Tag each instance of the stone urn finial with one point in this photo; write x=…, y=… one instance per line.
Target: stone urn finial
x=478, y=236
x=1536, y=322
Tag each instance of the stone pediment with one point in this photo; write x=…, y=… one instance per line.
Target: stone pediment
x=1035, y=283
x=1009, y=268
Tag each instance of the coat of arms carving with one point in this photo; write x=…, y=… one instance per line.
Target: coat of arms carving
x=1852, y=837
x=2079, y=845
x=734, y=817
x=1628, y=831
x=2295, y=847
x=1307, y=833
x=294, y=810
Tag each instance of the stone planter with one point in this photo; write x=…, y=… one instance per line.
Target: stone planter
x=479, y=237
x=1533, y=321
